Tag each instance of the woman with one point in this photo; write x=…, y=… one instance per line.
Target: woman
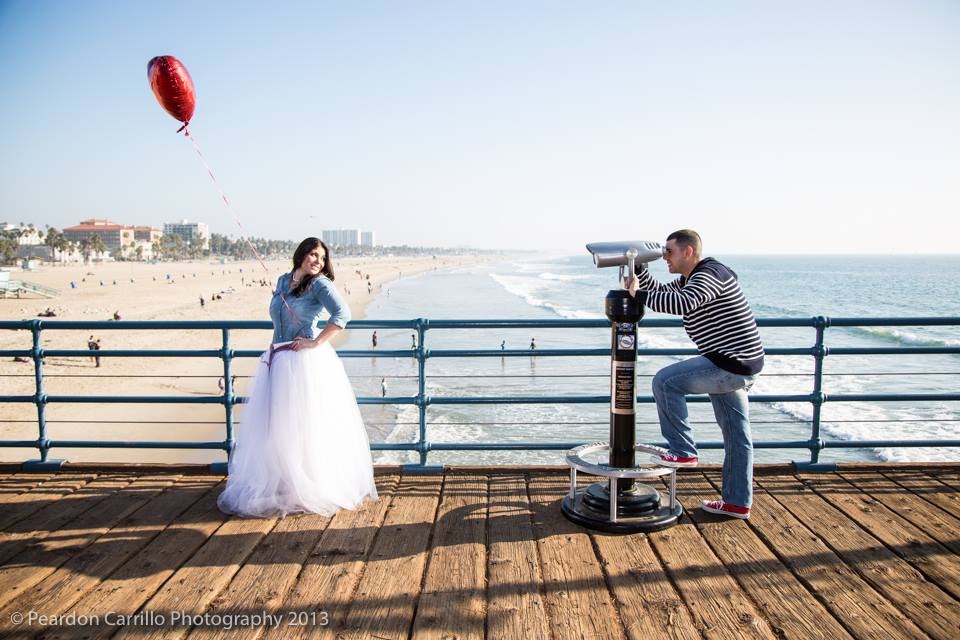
x=301, y=444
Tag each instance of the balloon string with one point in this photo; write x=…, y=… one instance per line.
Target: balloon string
x=236, y=219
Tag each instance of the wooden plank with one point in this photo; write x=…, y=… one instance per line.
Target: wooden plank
x=13, y=484
x=786, y=604
x=192, y=587
x=387, y=594
x=928, y=488
x=84, y=571
x=323, y=592
x=649, y=605
x=138, y=579
x=516, y=607
x=453, y=597
x=265, y=578
x=37, y=562
x=46, y=521
x=902, y=537
x=720, y=608
x=864, y=612
x=940, y=526
x=578, y=601
x=19, y=506
x=948, y=477
x=928, y=606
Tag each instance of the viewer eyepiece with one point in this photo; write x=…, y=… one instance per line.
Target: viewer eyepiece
x=626, y=253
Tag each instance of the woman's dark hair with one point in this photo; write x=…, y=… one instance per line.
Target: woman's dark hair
x=308, y=245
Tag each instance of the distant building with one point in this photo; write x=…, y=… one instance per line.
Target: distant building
x=348, y=237
x=117, y=238
x=147, y=234
x=188, y=231
x=28, y=234
x=120, y=240
x=342, y=237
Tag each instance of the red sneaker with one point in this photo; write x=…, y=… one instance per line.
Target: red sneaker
x=725, y=509
x=672, y=460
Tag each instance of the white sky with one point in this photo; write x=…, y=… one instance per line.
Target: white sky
x=770, y=127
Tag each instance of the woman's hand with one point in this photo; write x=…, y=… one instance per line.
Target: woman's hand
x=312, y=343
x=305, y=343
x=631, y=284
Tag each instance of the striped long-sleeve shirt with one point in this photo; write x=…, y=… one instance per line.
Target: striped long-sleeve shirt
x=715, y=314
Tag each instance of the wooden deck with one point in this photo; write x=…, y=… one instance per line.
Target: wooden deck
x=871, y=553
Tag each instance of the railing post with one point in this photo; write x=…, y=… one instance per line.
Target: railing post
x=820, y=352
x=817, y=398
x=423, y=447
x=226, y=353
x=40, y=399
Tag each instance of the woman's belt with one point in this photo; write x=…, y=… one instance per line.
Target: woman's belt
x=267, y=356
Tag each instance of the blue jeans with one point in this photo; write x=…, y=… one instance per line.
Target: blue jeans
x=728, y=394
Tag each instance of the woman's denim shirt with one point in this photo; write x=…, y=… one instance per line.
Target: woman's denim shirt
x=319, y=295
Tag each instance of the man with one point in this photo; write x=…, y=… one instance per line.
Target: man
x=94, y=345
x=718, y=319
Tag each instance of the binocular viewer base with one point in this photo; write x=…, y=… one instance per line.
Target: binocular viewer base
x=614, y=507
x=577, y=510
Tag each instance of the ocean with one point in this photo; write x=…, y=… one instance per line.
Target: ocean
x=571, y=287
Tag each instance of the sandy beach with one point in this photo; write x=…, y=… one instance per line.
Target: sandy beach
x=164, y=291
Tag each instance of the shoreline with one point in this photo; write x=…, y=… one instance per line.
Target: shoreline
x=163, y=291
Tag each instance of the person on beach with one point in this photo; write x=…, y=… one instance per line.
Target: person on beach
x=533, y=344
x=383, y=387
x=94, y=345
x=301, y=443
x=374, y=340
x=719, y=320
x=91, y=345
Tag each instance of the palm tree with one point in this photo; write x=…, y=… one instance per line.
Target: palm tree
x=97, y=246
x=53, y=240
x=8, y=246
x=65, y=247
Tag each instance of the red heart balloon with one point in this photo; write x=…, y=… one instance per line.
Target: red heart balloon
x=173, y=87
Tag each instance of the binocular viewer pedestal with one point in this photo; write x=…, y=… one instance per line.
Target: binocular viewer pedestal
x=607, y=507
x=621, y=505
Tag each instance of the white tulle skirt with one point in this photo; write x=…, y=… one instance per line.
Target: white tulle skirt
x=300, y=445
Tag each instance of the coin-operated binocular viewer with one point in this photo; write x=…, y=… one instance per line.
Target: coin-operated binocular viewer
x=621, y=505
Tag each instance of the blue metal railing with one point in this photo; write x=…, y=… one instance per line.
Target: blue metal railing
x=819, y=351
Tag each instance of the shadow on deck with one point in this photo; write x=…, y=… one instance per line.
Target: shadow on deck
x=130, y=552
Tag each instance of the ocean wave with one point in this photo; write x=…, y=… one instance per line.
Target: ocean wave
x=531, y=267
x=874, y=422
x=563, y=277
x=906, y=338
x=525, y=287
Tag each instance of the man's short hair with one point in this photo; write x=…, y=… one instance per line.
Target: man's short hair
x=687, y=238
